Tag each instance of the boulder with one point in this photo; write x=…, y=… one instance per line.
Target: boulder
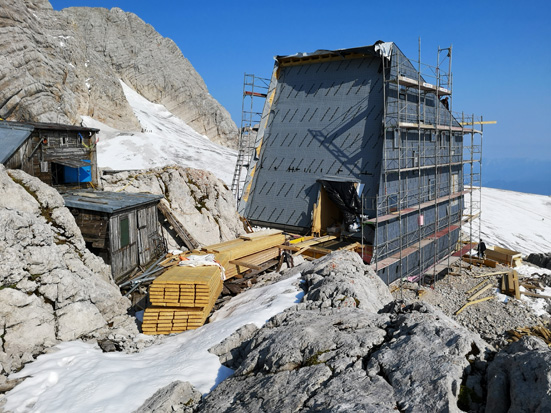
x=348, y=347
x=178, y=397
x=519, y=378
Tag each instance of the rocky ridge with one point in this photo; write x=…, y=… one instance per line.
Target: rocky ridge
x=200, y=201
x=52, y=288
x=59, y=65
x=346, y=348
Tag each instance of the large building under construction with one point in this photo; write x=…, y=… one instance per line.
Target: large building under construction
x=369, y=122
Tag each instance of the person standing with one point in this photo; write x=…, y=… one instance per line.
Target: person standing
x=481, y=249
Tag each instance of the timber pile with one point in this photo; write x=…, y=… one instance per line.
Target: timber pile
x=248, y=251
x=182, y=299
x=504, y=256
x=479, y=261
x=538, y=331
x=510, y=284
x=185, y=287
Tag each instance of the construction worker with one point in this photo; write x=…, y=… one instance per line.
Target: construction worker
x=481, y=249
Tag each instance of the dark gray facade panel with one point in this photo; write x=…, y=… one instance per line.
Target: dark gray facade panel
x=325, y=122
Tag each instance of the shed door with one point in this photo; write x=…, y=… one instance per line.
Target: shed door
x=144, y=241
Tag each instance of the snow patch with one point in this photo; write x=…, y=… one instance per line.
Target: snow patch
x=79, y=377
x=164, y=140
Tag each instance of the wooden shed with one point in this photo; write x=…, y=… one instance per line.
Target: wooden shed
x=59, y=155
x=122, y=228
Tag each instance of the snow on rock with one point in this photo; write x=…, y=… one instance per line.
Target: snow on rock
x=164, y=140
x=118, y=382
x=203, y=204
x=51, y=287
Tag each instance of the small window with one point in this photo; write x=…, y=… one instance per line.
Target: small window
x=64, y=140
x=396, y=138
x=124, y=230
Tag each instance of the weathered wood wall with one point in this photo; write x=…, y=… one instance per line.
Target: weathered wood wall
x=59, y=145
x=148, y=229
x=123, y=258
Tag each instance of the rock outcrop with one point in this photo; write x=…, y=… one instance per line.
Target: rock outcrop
x=177, y=397
x=52, y=288
x=200, y=201
x=519, y=379
x=349, y=348
x=540, y=259
x=59, y=65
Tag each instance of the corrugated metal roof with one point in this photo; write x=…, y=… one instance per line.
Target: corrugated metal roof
x=11, y=138
x=104, y=201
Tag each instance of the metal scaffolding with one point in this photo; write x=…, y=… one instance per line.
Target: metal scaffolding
x=426, y=149
x=254, y=94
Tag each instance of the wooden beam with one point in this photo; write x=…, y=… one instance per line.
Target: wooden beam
x=528, y=293
x=474, y=296
x=473, y=302
x=490, y=274
x=240, y=263
x=476, y=286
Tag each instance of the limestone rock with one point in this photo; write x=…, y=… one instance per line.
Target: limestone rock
x=179, y=397
x=519, y=378
x=200, y=201
x=540, y=259
x=426, y=358
x=59, y=65
x=321, y=355
x=51, y=287
x=78, y=319
x=341, y=279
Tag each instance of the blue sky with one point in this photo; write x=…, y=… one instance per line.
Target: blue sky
x=501, y=54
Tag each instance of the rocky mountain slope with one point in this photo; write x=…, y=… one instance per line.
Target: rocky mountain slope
x=52, y=288
x=60, y=65
x=201, y=202
x=348, y=347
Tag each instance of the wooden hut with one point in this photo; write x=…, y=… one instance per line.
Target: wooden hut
x=122, y=228
x=59, y=155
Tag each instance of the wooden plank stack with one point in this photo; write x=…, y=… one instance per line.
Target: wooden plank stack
x=182, y=299
x=504, y=256
x=253, y=249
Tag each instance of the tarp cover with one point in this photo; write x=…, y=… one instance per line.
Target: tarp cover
x=345, y=197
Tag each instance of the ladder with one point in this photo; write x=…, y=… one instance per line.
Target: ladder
x=251, y=115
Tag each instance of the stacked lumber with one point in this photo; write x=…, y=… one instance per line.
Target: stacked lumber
x=167, y=320
x=504, y=256
x=538, y=331
x=182, y=299
x=185, y=287
x=479, y=261
x=510, y=284
x=248, y=251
